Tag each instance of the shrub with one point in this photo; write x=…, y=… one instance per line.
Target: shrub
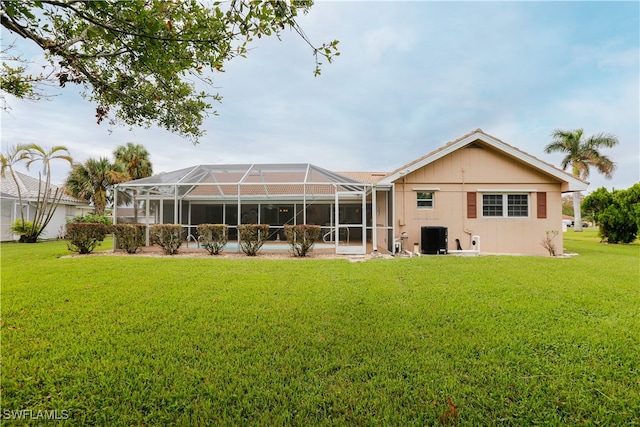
x=252, y=237
x=84, y=237
x=301, y=237
x=167, y=236
x=24, y=229
x=92, y=218
x=129, y=237
x=617, y=213
x=548, y=242
x=213, y=237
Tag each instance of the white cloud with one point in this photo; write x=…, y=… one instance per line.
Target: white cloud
x=380, y=42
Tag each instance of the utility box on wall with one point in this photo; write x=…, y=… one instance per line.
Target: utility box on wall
x=434, y=240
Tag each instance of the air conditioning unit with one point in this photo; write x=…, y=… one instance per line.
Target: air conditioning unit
x=435, y=240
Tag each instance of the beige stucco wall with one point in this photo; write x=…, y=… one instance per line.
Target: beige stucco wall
x=475, y=169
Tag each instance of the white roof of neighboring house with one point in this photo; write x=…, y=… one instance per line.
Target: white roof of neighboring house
x=29, y=189
x=573, y=183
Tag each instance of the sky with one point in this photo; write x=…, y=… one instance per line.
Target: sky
x=411, y=77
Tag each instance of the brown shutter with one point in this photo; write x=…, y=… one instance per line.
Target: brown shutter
x=542, y=204
x=472, y=205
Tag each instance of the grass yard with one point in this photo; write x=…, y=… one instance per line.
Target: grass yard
x=487, y=340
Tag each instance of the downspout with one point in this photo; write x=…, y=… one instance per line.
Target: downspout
x=402, y=221
x=464, y=215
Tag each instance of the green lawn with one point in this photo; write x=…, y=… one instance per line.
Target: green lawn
x=449, y=340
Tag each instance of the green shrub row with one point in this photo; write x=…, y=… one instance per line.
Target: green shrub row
x=91, y=218
x=84, y=232
x=83, y=236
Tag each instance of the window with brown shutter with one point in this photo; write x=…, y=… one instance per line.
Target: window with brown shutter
x=542, y=204
x=472, y=205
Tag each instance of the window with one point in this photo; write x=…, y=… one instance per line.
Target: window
x=505, y=205
x=492, y=205
x=517, y=205
x=425, y=200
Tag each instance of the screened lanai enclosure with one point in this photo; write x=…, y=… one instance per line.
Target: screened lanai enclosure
x=274, y=194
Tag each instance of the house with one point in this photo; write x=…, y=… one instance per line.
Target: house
x=10, y=206
x=489, y=195
x=476, y=194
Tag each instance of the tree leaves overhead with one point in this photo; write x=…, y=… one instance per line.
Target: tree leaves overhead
x=142, y=61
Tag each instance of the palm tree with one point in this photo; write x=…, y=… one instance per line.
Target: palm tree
x=581, y=155
x=93, y=181
x=48, y=201
x=15, y=155
x=135, y=159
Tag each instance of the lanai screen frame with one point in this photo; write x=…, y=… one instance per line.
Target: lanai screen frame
x=248, y=184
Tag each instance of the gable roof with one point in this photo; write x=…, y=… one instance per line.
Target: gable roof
x=573, y=183
x=29, y=189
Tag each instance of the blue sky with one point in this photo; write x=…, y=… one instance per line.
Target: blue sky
x=411, y=77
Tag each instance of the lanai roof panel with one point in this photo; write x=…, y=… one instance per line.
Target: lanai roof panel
x=251, y=180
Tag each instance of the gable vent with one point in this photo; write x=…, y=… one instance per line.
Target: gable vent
x=474, y=145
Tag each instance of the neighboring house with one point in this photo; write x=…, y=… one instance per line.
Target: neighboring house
x=10, y=206
x=475, y=194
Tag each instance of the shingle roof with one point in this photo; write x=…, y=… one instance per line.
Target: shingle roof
x=367, y=177
x=29, y=188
